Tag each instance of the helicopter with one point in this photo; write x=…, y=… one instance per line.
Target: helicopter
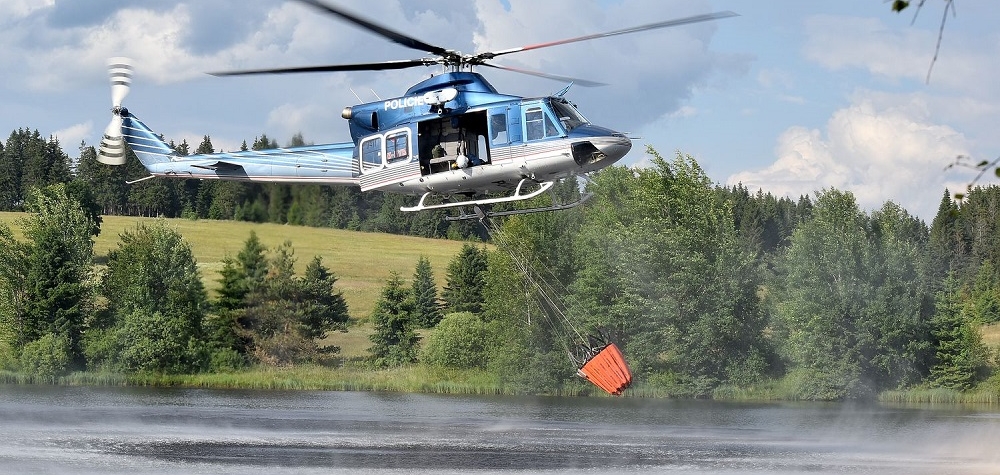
x=452, y=139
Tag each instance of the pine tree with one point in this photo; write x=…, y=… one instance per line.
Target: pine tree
x=205, y=146
x=10, y=177
x=276, y=317
x=242, y=274
x=253, y=262
x=107, y=183
x=323, y=308
x=232, y=287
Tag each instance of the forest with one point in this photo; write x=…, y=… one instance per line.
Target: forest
x=709, y=290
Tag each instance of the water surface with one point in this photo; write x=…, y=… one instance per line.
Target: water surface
x=47, y=429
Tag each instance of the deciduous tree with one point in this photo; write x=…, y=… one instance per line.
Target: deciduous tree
x=156, y=303
x=58, y=260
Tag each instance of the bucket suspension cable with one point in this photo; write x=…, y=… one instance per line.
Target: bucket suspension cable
x=543, y=288
x=597, y=359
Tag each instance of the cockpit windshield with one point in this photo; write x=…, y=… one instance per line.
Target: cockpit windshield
x=567, y=113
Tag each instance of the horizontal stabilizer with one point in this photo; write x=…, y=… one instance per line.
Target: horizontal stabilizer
x=217, y=165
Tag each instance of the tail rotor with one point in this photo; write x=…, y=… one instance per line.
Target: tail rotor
x=112, y=151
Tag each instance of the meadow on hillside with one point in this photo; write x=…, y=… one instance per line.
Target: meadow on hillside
x=361, y=261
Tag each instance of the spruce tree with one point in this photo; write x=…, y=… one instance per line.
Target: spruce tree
x=252, y=261
x=960, y=354
x=426, y=308
x=323, y=308
x=463, y=290
x=394, y=342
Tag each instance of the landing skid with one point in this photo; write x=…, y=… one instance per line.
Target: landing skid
x=518, y=195
x=480, y=213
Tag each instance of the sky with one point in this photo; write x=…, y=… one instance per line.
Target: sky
x=791, y=96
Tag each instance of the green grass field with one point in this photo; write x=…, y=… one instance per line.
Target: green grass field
x=991, y=335
x=361, y=261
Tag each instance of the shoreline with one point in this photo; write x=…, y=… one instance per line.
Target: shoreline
x=422, y=379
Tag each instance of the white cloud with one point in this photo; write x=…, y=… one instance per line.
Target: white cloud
x=966, y=62
x=684, y=111
x=878, y=153
x=70, y=137
x=838, y=42
x=13, y=10
x=775, y=78
x=895, y=136
x=310, y=120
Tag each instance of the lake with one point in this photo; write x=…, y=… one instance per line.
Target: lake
x=55, y=429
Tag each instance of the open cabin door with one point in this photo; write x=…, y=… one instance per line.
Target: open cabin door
x=453, y=143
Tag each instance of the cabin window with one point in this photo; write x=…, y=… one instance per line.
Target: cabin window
x=371, y=153
x=397, y=147
x=539, y=125
x=498, y=123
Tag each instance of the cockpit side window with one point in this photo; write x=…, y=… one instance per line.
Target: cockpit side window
x=539, y=125
x=550, y=127
x=533, y=122
x=567, y=113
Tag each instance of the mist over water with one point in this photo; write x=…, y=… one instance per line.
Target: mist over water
x=140, y=430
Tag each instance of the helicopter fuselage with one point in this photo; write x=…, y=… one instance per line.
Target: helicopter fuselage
x=452, y=134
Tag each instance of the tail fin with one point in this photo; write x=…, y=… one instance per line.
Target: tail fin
x=147, y=145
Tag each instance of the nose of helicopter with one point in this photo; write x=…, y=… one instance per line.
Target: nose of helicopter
x=599, y=147
x=614, y=147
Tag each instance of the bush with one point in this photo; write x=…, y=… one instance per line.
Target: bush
x=47, y=357
x=225, y=360
x=810, y=384
x=458, y=341
x=285, y=348
x=8, y=359
x=150, y=341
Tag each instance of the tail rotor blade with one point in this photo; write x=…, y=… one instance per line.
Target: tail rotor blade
x=120, y=70
x=112, y=150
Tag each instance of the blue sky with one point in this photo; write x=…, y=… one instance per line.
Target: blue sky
x=792, y=96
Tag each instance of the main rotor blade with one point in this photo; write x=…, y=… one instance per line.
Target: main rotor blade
x=380, y=66
x=394, y=36
x=577, y=81
x=651, y=26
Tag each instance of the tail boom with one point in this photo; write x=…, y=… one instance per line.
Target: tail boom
x=324, y=164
